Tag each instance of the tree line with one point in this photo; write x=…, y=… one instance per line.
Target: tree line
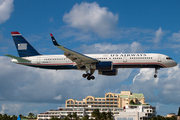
x=164, y=118
x=14, y=117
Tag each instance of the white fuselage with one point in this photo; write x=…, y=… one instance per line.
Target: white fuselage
x=125, y=60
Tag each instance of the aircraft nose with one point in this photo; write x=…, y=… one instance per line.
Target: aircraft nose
x=174, y=63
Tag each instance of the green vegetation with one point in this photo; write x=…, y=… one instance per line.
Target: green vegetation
x=163, y=118
x=131, y=102
x=14, y=117
x=7, y=117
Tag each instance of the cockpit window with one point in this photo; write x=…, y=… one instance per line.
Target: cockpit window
x=168, y=58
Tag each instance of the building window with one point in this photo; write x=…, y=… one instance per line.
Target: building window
x=111, y=96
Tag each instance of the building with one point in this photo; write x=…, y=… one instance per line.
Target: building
x=116, y=103
x=171, y=115
x=131, y=112
x=117, y=100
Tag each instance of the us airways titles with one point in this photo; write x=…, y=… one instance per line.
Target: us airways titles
x=118, y=55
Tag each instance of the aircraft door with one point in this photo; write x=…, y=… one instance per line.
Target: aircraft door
x=159, y=58
x=124, y=58
x=38, y=61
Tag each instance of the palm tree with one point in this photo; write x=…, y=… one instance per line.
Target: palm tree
x=109, y=115
x=70, y=116
x=96, y=114
x=14, y=117
x=5, y=117
x=104, y=115
x=75, y=116
x=86, y=117
x=31, y=115
x=21, y=116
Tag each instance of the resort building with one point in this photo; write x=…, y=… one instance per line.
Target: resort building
x=118, y=104
x=117, y=100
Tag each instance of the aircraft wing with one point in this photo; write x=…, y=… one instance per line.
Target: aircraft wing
x=76, y=57
x=20, y=60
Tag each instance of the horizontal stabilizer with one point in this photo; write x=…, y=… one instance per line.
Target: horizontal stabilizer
x=20, y=60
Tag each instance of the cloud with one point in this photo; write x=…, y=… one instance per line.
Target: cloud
x=175, y=37
x=6, y=7
x=59, y=97
x=10, y=108
x=158, y=36
x=164, y=89
x=90, y=17
x=112, y=48
x=26, y=84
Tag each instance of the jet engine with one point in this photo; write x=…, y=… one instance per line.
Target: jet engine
x=108, y=73
x=104, y=66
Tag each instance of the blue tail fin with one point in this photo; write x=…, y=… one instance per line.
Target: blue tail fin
x=23, y=47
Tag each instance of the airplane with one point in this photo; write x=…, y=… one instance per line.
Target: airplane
x=106, y=64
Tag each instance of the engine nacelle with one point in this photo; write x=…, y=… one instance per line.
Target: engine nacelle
x=108, y=73
x=104, y=65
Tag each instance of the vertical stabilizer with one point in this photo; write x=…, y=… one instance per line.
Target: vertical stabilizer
x=23, y=47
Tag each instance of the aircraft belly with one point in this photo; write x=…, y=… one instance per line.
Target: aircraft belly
x=55, y=67
x=137, y=66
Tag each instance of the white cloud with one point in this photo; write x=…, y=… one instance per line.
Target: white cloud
x=10, y=108
x=90, y=17
x=112, y=48
x=6, y=7
x=158, y=36
x=175, y=37
x=163, y=89
x=59, y=97
x=28, y=84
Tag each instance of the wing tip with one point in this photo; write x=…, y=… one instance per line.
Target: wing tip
x=51, y=34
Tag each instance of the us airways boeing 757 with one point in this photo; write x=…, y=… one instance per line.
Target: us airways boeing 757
x=106, y=64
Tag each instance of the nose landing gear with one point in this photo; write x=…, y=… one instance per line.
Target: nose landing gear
x=155, y=76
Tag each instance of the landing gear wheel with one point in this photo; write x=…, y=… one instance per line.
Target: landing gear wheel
x=84, y=75
x=155, y=76
x=92, y=77
x=88, y=78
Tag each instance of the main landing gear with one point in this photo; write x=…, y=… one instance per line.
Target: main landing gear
x=89, y=76
x=155, y=76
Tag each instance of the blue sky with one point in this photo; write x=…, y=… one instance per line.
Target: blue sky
x=88, y=27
